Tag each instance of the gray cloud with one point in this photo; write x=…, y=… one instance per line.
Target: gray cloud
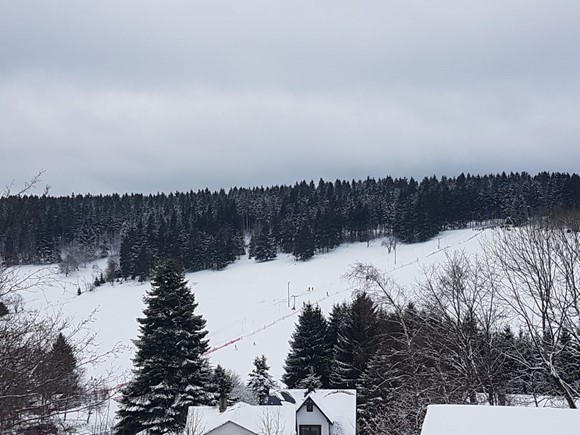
x=158, y=96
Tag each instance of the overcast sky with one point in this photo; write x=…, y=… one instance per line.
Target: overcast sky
x=147, y=96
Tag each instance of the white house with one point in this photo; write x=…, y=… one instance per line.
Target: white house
x=241, y=419
x=289, y=412
x=499, y=420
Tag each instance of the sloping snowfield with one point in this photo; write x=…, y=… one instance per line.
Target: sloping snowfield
x=246, y=305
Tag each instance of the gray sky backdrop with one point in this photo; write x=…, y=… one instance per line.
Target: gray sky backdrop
x=147, y=96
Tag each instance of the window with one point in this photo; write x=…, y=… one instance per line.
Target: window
x=310, y=430
x=309, y=407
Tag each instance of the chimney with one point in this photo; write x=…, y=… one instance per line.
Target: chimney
x=223, y=403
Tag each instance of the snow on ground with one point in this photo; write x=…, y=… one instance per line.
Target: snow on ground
x=247, y=302
x=499, y=420
x=246, y=305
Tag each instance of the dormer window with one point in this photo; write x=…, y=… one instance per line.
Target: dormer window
x=309, y=407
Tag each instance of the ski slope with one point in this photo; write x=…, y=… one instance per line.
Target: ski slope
x=246, y=305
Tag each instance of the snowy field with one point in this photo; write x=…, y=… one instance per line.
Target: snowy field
x=246, y=305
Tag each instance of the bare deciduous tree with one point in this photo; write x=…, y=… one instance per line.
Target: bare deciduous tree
x=397, y=387
x=466, y=317
x=537, y=268
x=439, y=349
x=271, y=422
x=195, y=423
x=28, y=186
x=41, y=356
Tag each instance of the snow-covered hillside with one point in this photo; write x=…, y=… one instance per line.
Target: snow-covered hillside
x=246, y=305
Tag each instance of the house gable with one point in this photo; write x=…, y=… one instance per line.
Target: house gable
x=241, y=419
x=337, y=407
x=332, y=412
x=310, y=414
x=309, y=403
x=230, y=428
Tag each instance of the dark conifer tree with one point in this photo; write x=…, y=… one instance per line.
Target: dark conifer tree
x=309, y=354
x=568, y=361
x=338, y=315
x=60, y=371
x=328, y=229
x=126, y=260
x=358, y=339
x=284, y=231
x=170, y=372
x=377, y=391
x=261, y=382
x=265, y=246
x=48, y=250
x=4, y=311
x=310, y=382
x=112, y=271
x=380, y=388
x=304, y=243
x=223, y=383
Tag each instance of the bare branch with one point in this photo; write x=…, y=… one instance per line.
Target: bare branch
x=28, y=186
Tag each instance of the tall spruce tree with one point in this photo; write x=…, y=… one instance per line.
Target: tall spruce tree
x=64, y=366
x=170, y=372
x=57, y=375
x=378, y=395
x=304, y=243
x=384, y=389
x=265, y=245
x=309, y=354
x=338, y=315
x=223, y=383
x=4, y=311
x=261, y=382
x=358, y=339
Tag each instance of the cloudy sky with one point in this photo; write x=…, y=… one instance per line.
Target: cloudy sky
x=147, y=96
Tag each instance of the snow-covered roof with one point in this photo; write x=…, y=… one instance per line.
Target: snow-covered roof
x=499, y=420
x=339, y=406
x=204, y=419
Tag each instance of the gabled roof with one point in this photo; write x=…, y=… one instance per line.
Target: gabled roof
x=338, y=406
x=229, y=422
x=249, y=417
x=311, y=400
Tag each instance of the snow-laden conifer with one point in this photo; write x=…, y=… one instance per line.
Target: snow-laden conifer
x=170, y=373
x=358, y=339
x=264, y=248
x=261, y=382
x=310, y=353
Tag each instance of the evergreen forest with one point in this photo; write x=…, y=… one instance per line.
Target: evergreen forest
x=209, y=230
